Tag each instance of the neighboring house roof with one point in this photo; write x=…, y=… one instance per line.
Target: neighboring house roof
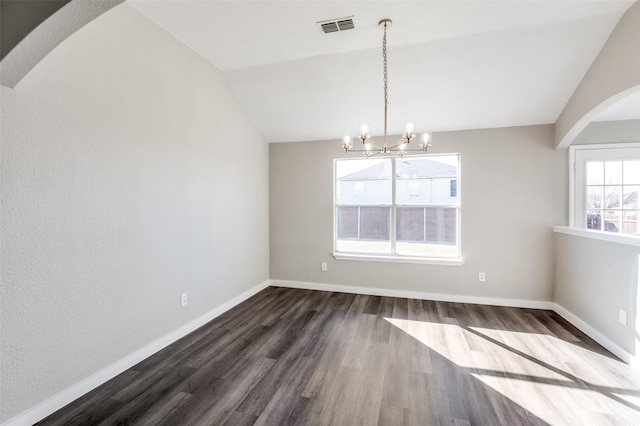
x=405, y=168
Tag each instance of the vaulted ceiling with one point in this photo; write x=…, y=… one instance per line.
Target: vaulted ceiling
x=452, y=64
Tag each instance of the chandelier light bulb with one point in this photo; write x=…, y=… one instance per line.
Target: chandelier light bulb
x=364, y=129
x=409, y=128
x=426, y=137
x=346, y=140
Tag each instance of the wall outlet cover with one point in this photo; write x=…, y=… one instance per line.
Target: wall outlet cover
x=622, y=317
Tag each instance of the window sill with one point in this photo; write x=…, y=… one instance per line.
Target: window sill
x=398, y=259
x=630, y=240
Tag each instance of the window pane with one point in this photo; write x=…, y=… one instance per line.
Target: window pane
x=612, y=220
x=594, y=220
x=630, y=223
x=363, y=230
x=594, y=197
x=426, y=231
x=347, y=222
x=630, y=197
x=432, y=177
x=363, y=182
x=375, y=223
x=450, y=226
x=612, y=197
x=631, y=172
x=410, y=224
x=613, y=172
x=595, y=173
x=440, y=225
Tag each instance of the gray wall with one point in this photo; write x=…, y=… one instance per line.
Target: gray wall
x=513, y=188
x=609, y=132
x=130, y=173
x=594, y=280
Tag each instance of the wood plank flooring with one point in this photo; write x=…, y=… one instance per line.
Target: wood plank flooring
x=300, y=357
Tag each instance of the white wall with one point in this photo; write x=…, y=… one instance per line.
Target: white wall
x=513, y=188
x=594, y=280
x=130, y=173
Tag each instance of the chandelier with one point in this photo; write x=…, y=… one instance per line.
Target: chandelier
x=402, y=146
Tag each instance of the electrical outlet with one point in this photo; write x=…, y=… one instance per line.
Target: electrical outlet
x=622, y=317
x=482, y=277
x=323, y=266
x=183, y=299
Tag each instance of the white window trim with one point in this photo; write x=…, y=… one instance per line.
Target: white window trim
x=394, y=258
x=449, y=261
x=573, y=228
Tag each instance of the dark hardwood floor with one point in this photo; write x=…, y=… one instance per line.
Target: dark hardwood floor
x=290, y=356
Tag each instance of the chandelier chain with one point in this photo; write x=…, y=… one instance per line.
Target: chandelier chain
x=384, y=59
x=385, y=147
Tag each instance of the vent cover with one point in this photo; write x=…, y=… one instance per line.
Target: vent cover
x=336, y=25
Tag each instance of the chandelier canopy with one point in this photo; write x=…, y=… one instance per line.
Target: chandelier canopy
x=402, y=146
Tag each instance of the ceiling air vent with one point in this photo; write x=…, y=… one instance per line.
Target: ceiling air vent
x=335, y=25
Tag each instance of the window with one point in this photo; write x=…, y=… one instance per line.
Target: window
x=605, y=188
x=405, y=207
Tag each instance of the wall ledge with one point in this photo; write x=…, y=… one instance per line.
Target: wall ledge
x=630, y=240
x=53, y=404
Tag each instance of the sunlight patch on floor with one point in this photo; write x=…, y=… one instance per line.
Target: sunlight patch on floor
x=536, y=397
x=534, y=371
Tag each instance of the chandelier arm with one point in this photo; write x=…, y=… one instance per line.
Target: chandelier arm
x=415, y=150
x=373, y=149
x=395, y=146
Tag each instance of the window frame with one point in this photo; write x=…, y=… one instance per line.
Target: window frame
x=394, y=257
x=579, y=155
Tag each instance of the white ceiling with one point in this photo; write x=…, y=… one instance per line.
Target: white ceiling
x=452, y=64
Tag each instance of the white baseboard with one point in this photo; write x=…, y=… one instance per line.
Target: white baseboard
x=516, y=303
x=74, y=392
x=597, y=336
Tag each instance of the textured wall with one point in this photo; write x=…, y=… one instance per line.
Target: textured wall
x=513, y=189
x=130, y=174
